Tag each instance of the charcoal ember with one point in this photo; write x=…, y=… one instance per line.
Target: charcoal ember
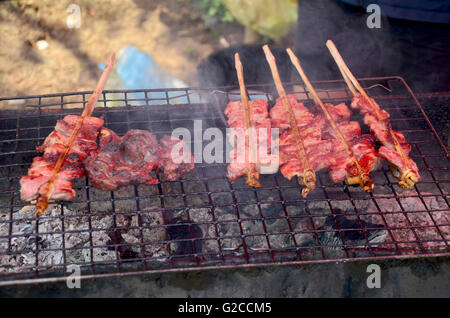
x=304, y=230
x=204, y=221
x=153, y=232
x=281, y=241
x=24, y=243
x=186, y=235
x=348, y=230
x=339, y=205
x=225, y=213
x=132, y=227
x=373, y=220
x=49, y=240
x=330, y=233
x=90, y=237
x=231, y=242
x=254, y=235
x=99, y=251
x=410, y=227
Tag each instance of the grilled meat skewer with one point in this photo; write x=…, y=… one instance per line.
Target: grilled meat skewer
x=261, y=131
x=318, y=150
x=73, y=137
x=252, y=172
x=308, y=176
x=122, y=161
x=395, y=149
x=356, y=175
x=34, y=184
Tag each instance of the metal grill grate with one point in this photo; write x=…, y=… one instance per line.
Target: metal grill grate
x=204, y=221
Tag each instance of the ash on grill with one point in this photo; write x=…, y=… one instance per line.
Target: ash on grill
x=119, y=236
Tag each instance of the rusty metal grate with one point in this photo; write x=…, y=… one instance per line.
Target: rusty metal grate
x=203, y=221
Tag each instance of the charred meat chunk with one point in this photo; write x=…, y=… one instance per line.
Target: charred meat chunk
x=123, y=161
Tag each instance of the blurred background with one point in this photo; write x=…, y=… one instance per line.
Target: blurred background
x=40, y=53
x=58, y=46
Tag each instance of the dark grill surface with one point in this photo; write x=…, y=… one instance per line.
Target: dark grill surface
x=203, y=220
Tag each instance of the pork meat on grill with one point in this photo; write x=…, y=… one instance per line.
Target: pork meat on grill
x=123, y=161
x=362, y=147
x=261, y=130
x=131, y=159
x=174, y=158
x=318, y=151
x=54, y=145
x=323, y=148
x=381, y=129
x=280, y=119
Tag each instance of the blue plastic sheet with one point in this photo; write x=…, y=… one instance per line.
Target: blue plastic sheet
x=138, y=70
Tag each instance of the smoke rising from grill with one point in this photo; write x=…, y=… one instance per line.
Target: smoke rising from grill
x=414, y=50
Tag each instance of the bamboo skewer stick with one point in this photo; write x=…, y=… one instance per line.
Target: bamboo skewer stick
x=309, y=177
x=42, y=201
x=408, y=177
x=252, y=174
x=363, y=179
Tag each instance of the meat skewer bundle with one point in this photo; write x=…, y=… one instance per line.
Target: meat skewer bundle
x=356, y=169
x=71, y=150
x=305, y=174
x=394, y=147
x=311, y=128
x=237, y=166
x=49, y=177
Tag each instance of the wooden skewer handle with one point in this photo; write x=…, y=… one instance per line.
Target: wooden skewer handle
x=252, y=175
x=100, y=86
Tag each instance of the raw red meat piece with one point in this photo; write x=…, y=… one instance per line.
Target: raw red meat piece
x=339, y=112
x=362, y=147
x=131, y=159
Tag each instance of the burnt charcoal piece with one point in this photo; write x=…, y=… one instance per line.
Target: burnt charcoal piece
x=183, y=232
x=352, y=231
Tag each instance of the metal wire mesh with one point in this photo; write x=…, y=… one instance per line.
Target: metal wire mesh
x=203, y=220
